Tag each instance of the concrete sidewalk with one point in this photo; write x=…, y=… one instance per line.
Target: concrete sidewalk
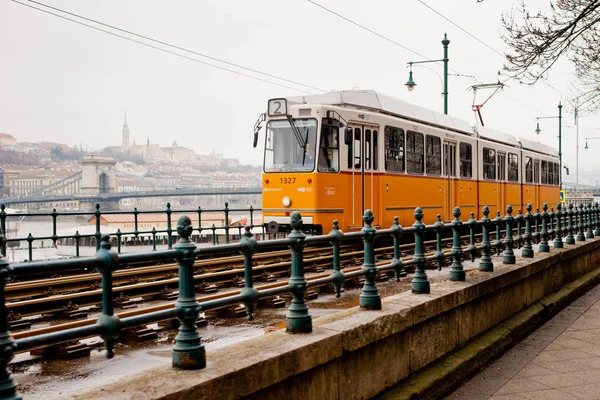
x=560, y=360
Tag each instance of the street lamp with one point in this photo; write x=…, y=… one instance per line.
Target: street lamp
x=538, y=130
x=589, y=138
x=410, y=84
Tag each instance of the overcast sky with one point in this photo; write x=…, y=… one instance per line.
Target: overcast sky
x=68, y=83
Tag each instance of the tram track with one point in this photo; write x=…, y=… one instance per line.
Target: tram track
x=226, y=276
x=70, y=294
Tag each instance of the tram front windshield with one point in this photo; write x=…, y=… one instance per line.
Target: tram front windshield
x=290, y=146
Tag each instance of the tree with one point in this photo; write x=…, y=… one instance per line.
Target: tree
x=537, y=40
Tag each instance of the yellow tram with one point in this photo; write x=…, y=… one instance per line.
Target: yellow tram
x=335, y=155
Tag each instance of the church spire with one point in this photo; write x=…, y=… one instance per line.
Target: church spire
x=125, y=133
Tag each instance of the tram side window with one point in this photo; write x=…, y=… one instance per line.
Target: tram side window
x=367, y=149
x=489, y=163
x=434, y=155
x=536, y=171
x=544, y=172
x=556, y=174
x=551, y=173
x=329, y=150
x=513, y=167
x=414, y=152
x=357, y=149
x=466, y=160
x=375, y=151
x=528, y=170
x=394, y=149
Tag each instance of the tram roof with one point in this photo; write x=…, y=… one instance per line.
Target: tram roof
x=370, y=99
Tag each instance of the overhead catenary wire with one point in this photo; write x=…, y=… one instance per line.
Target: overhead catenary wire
x=168, y=51
x=406, y=48
x=382, y=36
x=483, y=43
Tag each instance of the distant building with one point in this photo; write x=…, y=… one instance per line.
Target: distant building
x=126, y=222
x=1, y=181
x=150, y=152
x=7, y=140
x=31, y=181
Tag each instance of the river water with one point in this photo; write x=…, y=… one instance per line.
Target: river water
x=68, y=225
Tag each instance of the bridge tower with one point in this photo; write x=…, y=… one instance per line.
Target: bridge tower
x=97, y=175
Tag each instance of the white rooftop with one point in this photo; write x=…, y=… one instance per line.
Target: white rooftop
x=370, y=99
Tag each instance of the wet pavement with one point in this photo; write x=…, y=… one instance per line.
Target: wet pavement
x=38, y=378
x=560, y=360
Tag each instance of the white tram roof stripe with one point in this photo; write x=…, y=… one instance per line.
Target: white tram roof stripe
x=370, y=99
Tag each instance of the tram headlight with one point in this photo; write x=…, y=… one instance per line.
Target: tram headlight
x=286, y=201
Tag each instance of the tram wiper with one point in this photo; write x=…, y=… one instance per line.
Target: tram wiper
x=297, y=133
x=304, y=147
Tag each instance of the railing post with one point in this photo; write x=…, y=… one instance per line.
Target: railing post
x=136, y=231
x=538, y=231
x=188, y=352
x=551, y=224
x=170, y=228
x=590, y=233
x=153, y=238
x=214, y=235
x=472, y=248
x=369, y=297
x=457, y=272
x=98, y=235
x=527, y=248
x=580, y=228
x=519, y=237
x=8, y=387
x=200, y=222
x=544, y=247
x=498, y=241
x=54, y=235
x=226, y=222
x=337, y=238
x=558, y=243
x=509, y=256
x=570, y=238
x=110, y=323
x=30, y=246
x=485, y=264
x=597, y=215
x=77, y=239
x=420, y=283
x=119, y=234
x=3, y=228
x=297, y=319
x=249, y=292
x=439, y=253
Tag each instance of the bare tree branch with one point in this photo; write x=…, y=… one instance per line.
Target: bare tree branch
x=537, y=40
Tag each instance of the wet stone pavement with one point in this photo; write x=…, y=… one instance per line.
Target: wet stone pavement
x=560, y=360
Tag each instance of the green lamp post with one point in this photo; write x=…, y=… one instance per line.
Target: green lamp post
x=538, y=130
x=410, y=84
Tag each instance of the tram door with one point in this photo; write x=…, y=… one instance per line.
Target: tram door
x=450, y=197
x=501, y=186
x=536, y=180
x=363, y=164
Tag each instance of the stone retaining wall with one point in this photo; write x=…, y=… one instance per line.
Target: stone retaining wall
x=356, y=354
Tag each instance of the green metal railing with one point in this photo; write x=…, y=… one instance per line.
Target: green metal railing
x=188, y=351
x=214, y=231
